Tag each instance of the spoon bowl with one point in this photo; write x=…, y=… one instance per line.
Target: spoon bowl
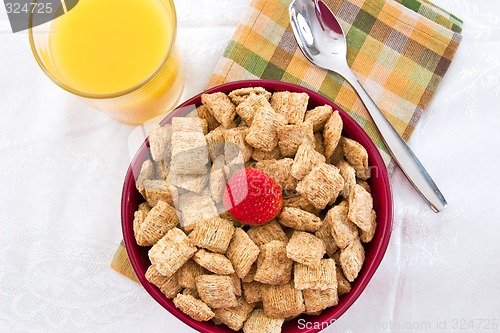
x=319, y=35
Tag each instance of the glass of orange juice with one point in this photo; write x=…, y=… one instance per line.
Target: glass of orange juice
x=118, y=55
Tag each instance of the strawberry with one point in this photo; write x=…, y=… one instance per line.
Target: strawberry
x=252, y=197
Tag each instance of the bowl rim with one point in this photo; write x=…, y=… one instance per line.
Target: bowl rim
x=369, y=268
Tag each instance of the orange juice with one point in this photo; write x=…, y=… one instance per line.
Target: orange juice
x=118, y=54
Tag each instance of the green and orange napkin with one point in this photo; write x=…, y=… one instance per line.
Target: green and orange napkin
x=399, y=50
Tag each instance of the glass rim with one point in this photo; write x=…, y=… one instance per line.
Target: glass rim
x=121, y=93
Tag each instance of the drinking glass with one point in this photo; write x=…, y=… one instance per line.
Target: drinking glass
x=154, y=94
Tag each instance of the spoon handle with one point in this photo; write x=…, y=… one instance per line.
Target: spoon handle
x=401, y=152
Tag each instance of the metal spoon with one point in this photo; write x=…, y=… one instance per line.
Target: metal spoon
x=322, y=40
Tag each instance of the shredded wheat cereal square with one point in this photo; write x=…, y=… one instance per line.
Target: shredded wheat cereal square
x=299, y=219
x=317, y=300
x=344, y=232
x=242, y=252
x=305, y=159
x=160, y=142
x=217, y=291
x=214, y=262
x=280, y=172
x=357, y=156
x=238, y=96
x=322, y=185
x=236, y=284
x=258, y=322
x=217, y=321
x=319, y=143
x=336, y=257
x=192, y=183
x=221, y=107
x=318, y=116
x=325, y=234
x=343, y=285
x=191, y=292
x=305, y=248
x=338, y=153
x=219, y=163
x=139, y=217
x=366, y=236
x=147, y=172
x=218, y=183
x=251, y=274
x=261, y=155
x=167, y=285
x=364, y=184
x=188, y=272
x=267, y=232
x=263, y=133
x=317, y=313
x=157, y=190
x=162, y=168
x=349, y=174
x=247, y=109
x=189, y=153
x=203, y=113
x=282, y=301
x=236, y=149
x=216, y=142
x=301, y=202
x=160, y=219
x=204, y=124
x=195, y=208
x=213, y=234
x=292, y=106
x=352, y=259
x=332, y=133
x=193, y=307
x=322, y=277
x=360, y=208
x=171, y=252
x=251, y=291
x=290, y=137
x=235, y=317
x=273, y=266
x=189, y=124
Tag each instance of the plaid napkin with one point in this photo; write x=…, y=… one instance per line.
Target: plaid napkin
x=399, y=51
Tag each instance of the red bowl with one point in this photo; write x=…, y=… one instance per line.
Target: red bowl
x=375, y=250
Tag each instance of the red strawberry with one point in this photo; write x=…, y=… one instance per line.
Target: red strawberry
x=252, y=197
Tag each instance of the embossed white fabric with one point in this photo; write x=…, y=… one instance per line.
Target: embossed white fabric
x=62, y=165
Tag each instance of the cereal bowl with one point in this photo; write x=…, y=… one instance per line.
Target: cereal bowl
x=374, y=250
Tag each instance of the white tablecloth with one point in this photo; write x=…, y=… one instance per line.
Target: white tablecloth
x=62, y=166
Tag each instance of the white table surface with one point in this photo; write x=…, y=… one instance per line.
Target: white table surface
x=62, y=166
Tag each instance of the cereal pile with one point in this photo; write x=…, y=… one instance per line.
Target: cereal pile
x=254, y=277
